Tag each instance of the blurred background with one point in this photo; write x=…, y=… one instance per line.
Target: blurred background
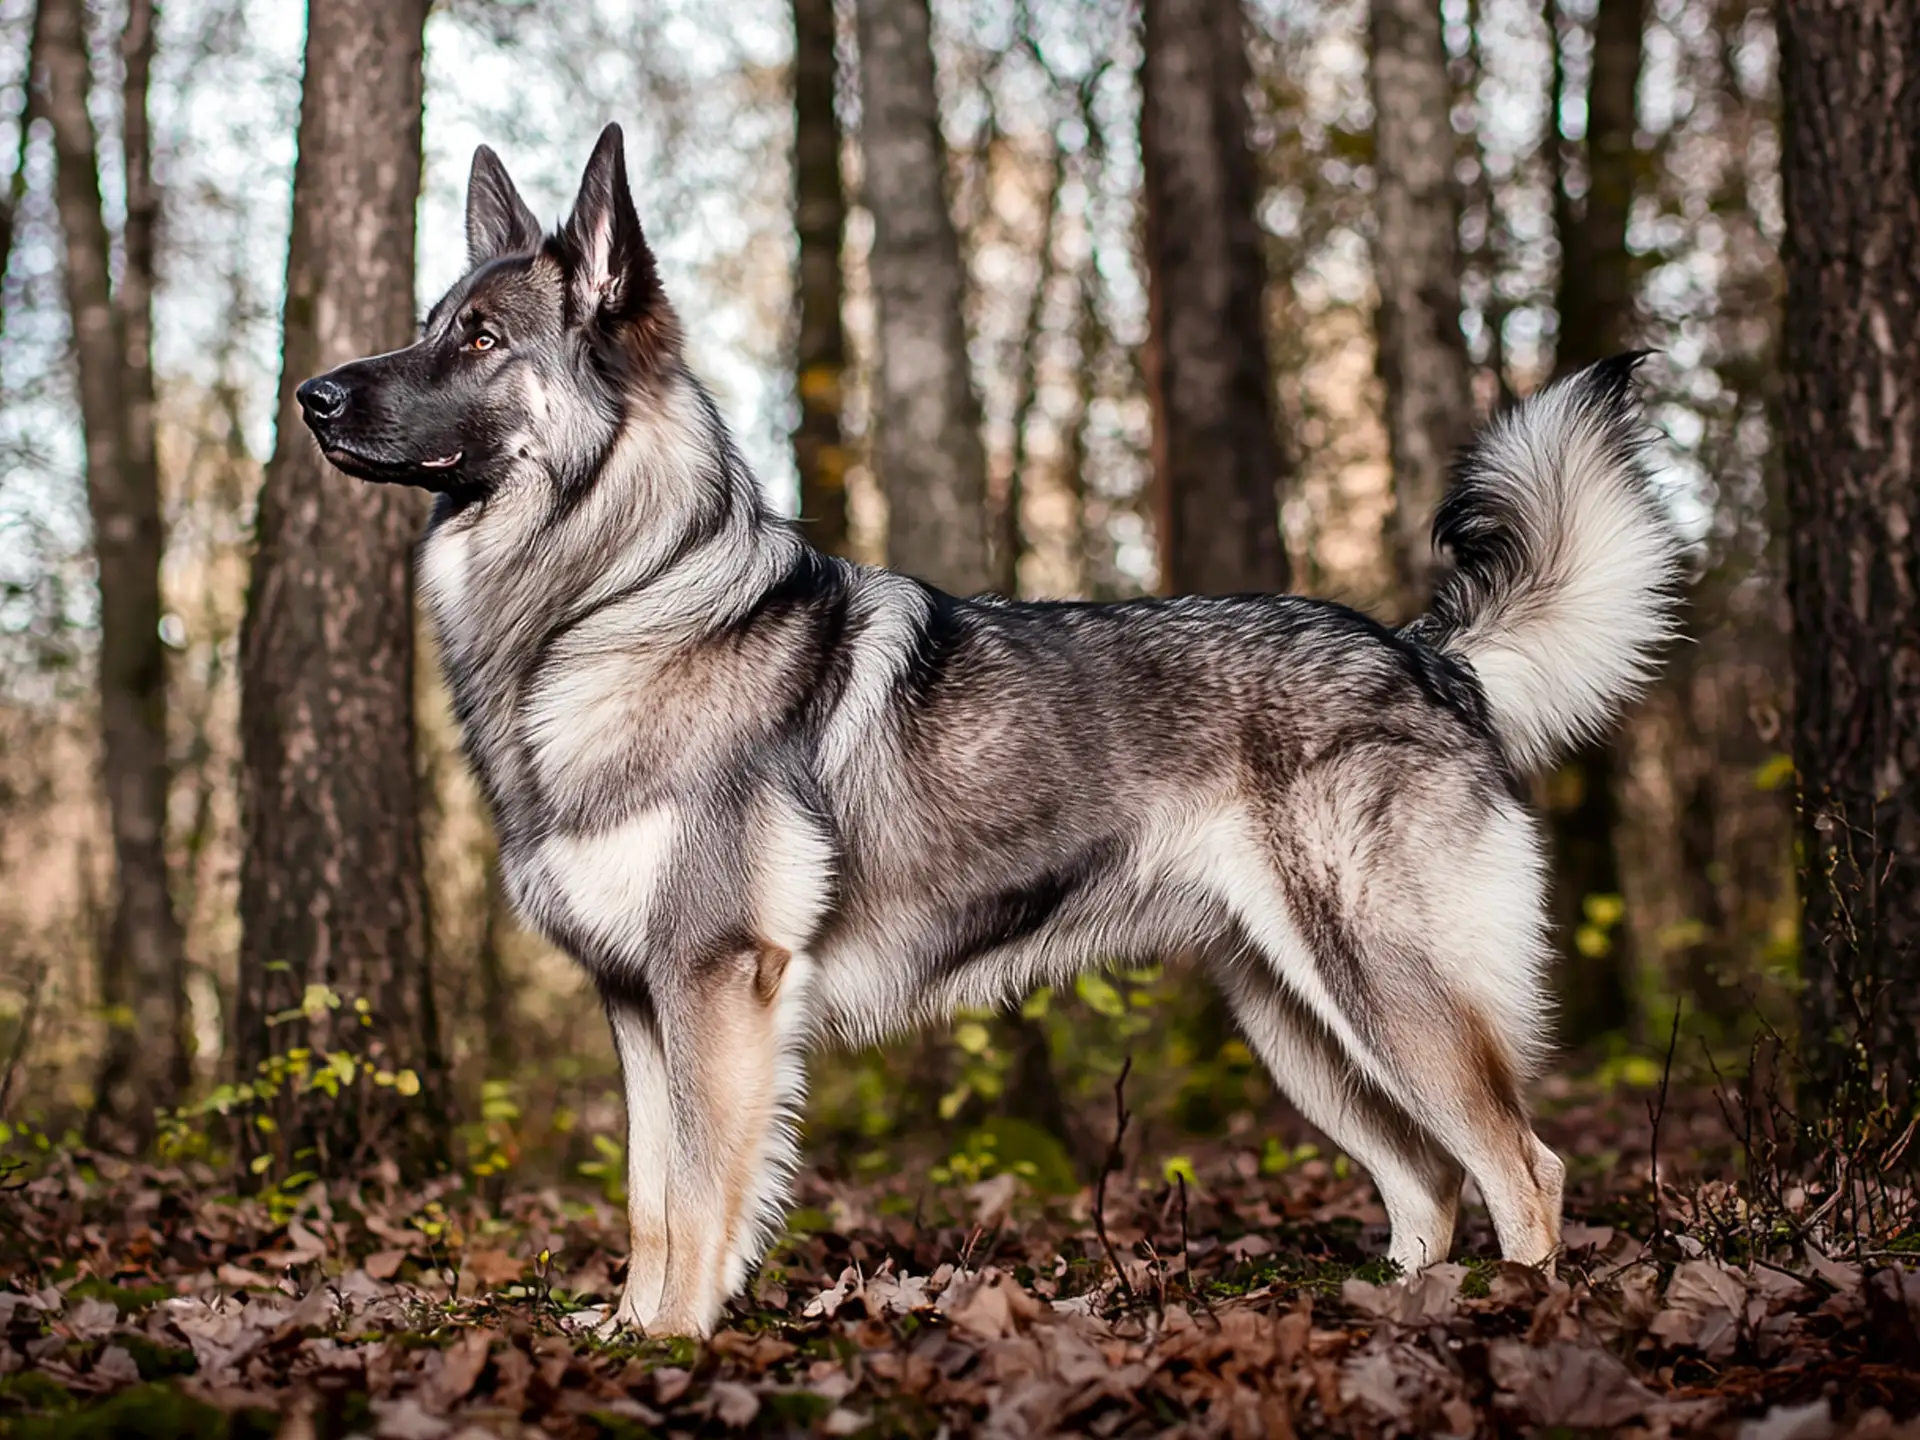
x=1565, y=179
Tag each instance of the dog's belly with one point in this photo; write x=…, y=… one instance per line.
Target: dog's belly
x=917, y=965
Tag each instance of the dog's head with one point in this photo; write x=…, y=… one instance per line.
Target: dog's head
x=527, y=366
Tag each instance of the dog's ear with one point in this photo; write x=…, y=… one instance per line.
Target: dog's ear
x=498, y=220
x=610, y=270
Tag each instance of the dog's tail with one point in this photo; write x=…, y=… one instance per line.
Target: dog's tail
x=1563, y=586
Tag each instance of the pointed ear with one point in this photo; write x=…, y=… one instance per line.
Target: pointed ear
x=498, y=220
x=610, y=270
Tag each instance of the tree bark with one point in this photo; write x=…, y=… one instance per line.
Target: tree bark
x=1009, y=529
x=144, y=1060
x=927, y=449
x=820, y=218
x=1416, y=264
x=1850, y=164
x=332, y=889
x=1595, y=300
x=1597, y=278
x=1216, y=453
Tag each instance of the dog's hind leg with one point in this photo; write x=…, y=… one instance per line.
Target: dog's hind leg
x=1418, y=1181
x=1458, y=1081
x=1415, y=942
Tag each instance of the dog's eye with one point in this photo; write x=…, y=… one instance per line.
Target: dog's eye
x=482, y=342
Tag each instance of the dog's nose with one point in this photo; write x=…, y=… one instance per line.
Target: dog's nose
x=322, y=399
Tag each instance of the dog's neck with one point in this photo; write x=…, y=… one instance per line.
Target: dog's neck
x=671, y=541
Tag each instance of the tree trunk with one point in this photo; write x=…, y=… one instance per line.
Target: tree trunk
x=144, y=1061
x=820, y=217
x=1596, y=291
x=496, y=996
x=1216, y=454
x=927, y=449
x=1009, y=529
x=1850, y=92
x=1416, y=263
x=332, y=890
x=1595, y=300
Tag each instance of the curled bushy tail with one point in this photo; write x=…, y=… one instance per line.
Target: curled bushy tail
x=1565, y=564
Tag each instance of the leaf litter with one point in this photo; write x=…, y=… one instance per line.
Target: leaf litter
x=142, y=1300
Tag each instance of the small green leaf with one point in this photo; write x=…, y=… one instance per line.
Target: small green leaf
x=1774, y=773
x=1099, y=993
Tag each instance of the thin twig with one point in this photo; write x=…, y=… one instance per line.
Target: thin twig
x=1657, y=1115
x=1109, y=1167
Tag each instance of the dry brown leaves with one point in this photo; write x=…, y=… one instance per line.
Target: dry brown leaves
x=371, y=1313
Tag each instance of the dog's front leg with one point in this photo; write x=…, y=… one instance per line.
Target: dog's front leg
x=721, y=1049
x=644, y=1077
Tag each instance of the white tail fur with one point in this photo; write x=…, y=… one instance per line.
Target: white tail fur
x=1563, y=587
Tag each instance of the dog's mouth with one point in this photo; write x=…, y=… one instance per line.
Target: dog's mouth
x=392, y=471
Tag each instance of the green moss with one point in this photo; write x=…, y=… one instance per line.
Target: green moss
x=618, y=1427
x=1027, y=1150
x=1476, y=1286
x=808, y=1220
x=147, y=1412
x=903, y=1415
x=127, y=1299
x=796, y=1407
x=31, y=1390
x=156, y=1361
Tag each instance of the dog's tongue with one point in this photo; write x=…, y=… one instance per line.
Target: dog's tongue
x=443, y=462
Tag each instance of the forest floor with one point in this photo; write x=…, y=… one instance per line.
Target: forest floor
x=145, y=1301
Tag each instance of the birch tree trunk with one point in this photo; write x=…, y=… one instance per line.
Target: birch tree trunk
x=1416, y=265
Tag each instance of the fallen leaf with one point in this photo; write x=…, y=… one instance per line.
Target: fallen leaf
x=460, y=1367
x=384, y=1264
x=407, y=1419
x=991, y=1305
x=1812, y=1421
x=1704, y=1301
x=1567, y=1383
x=734, y=1405
x=116, y=1367
x=992, y=1198
x=1429, y=1295
x=493, y=1268
x=92, y=1319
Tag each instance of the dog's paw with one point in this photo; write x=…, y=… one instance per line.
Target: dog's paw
x=680, y=1322
x=628, y=1315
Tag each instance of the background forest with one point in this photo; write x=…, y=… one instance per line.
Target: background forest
x=1065, y=298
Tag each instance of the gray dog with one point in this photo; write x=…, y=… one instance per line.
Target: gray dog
x=762, y=794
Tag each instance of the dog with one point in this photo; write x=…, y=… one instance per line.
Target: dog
x=764, y=795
